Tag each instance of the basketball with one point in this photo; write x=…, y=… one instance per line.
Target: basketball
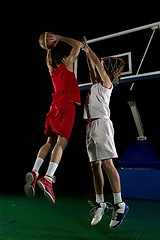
x=44, y=41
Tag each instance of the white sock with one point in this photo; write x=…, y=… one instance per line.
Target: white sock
x=38, y=164
x=51, y=169
x=117, y=198
x=99, y=198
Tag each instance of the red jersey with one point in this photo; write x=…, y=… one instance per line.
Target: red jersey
x=65, y=86
x=61, y=116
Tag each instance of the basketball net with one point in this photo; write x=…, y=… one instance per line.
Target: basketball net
x=114, y=66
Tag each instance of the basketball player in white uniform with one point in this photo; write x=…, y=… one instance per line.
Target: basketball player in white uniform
x=100, y=140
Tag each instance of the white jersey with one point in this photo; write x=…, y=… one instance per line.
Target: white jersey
x=97, y=102
x=99, y=130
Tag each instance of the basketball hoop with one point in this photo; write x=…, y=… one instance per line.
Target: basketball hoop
x=114, y=66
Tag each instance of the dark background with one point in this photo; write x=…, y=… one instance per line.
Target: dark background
x=26, y=90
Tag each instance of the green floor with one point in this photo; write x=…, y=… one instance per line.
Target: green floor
x=22, y=218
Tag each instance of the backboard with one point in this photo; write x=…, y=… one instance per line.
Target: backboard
x=138, y=47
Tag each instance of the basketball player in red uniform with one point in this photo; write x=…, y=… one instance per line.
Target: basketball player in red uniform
x=60, y=118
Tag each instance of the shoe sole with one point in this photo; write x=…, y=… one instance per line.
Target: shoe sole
x=41, y=185
x=49, y=197
x=46, y=194
x=28, y=188
x=125, y=213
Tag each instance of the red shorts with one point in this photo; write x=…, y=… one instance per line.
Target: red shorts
x=60, y=121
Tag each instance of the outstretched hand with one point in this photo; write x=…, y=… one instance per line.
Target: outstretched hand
x=85, y=45
x=53, y=38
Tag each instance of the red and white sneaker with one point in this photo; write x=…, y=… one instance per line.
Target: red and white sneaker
x=46, y=186
x=31, y=179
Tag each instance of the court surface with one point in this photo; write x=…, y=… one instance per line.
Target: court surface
x=22, y=218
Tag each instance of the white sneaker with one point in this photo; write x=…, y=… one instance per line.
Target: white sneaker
x=98, y=210
x=119, y=212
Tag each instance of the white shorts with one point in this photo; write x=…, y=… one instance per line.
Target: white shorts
x=100, y=140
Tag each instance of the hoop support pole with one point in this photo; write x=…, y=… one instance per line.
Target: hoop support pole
x=152, y=26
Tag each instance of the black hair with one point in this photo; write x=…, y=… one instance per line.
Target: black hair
x=57, y=58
